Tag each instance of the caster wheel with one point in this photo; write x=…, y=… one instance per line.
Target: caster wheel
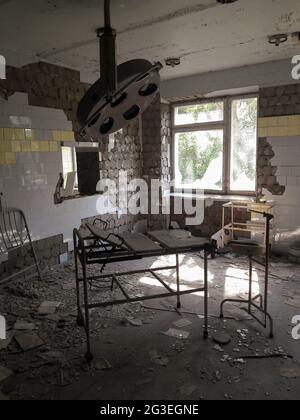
x=271, y=335
x=205, y=335
x=89, y=357
x=221, y=316
x=178, y=305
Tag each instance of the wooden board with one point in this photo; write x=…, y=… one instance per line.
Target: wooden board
x=138, y=242
x=177, y=239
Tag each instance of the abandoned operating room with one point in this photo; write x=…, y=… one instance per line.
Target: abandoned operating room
x=149, y=201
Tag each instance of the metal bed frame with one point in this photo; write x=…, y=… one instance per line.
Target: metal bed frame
x=263, y=299
x=14, y=234
x=90, y=249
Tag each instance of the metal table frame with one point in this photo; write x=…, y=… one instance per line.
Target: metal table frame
x=85, y=255
x=263, y=299
x=14, y=234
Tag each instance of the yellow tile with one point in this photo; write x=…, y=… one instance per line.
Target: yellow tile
x=263, y=132
x=67, y=136
x=35, y=146
x=293, y=131
x=56, y=135
x=1, y=134
x=273, y=122
x=293, y=120
x=53, y=146
x=2, y=158
x=16, y=146
x=261, y=122
x=284, y=121
x=26, y=146
x=28, y=134
x=10, y=158
x=19, y=133
x=44, y=146
x=8, y=134
x=272, y=131
x=282, y=131
x=6, y=146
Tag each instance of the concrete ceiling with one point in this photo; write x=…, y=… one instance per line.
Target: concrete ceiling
x=206, y=35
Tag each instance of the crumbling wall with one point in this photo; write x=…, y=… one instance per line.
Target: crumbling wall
x=31, y=135
x=279, y=158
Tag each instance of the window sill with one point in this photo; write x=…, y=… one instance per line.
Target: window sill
x=214, y=197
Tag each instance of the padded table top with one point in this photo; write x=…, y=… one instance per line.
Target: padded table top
x=177, y=239
x=153, y=242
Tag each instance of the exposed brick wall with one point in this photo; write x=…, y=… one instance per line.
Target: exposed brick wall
x=47, y=85
x=278, y=101
x=56, y=87
x=48, y=252
x=156, y=135
x=266, y=172
x=274, y=102
x=213, y=216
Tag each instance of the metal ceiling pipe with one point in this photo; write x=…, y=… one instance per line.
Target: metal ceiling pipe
x=108, y=68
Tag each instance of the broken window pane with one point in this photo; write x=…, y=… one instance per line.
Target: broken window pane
x=199, y=160
x=243, y=144
x=199, y=113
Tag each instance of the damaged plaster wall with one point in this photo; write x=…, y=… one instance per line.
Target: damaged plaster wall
x=38, y=115
x=279, y=159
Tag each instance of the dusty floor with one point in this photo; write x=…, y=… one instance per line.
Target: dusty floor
x=134, y=359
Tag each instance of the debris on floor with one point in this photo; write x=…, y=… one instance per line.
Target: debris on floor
x=103, y=364
x=4, y=373
x=182, y=323
x=221, y=338
x=48, y=308
x=158, y=359
x=292, y=372
x=29, y=341
x=179, y=334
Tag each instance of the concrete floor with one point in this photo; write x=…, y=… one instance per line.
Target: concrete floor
x=140, y=362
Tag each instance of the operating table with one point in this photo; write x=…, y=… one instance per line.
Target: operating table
x=95, y=246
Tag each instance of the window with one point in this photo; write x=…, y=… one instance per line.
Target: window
x=69, y=162
x=215, y=145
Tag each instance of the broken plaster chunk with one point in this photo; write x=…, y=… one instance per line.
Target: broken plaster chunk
x=48, y=308
x=4, y=373
x=179, y=334
x=103, y=364
x=24, y=326
x=29, y=341
x=132, y=321
x=5, y=343
x=292, y=372
x=158, y=359
x=187, y=390
x=182, y=323
x=222, y=338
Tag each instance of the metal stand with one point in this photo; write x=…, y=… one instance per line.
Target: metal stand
x=84, y=255
x=263, y=299
x=14, y=234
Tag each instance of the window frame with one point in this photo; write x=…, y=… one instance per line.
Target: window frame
x=226, y=126
x=74, y=163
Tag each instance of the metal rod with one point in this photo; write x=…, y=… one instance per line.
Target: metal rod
x=107, y=19
x=205, y=294
x=161, y=281
x=121, y=287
